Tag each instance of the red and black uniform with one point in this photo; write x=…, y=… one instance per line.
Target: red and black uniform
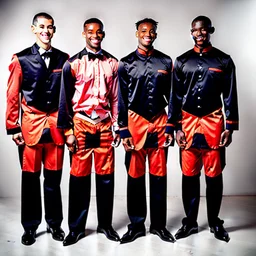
x=202, y=79
x=144, y=91
x=33, y=93
x=88, y=108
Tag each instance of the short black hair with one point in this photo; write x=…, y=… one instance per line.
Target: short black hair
x=149, y=20
x=94, y=20
x=44, y=15
x=202, y=18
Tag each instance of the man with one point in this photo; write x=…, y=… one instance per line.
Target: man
x=201, y=76
x=35, y=75
x=88, y=109
x=145, y=83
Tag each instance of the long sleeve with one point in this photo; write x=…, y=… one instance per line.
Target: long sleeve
x=13, y=97
x=175, y=103
x=113, y=99
x=65, y=116
x=230, y=97
x=123, y=80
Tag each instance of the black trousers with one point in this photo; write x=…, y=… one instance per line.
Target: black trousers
x=79, y=200
x=137, y=205
x=31, y=206
x=191, y=198
x=136, y=199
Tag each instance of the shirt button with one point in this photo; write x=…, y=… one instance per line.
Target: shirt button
x=200, y=54
x=198, y=106
x=199, y=98
x=199, y=76
x=199, y=89
x=48, y=102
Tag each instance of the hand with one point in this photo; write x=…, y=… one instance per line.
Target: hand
x=181, y=139
x=18, y=139
x=71, y=143
x=225, y=138
x=116, y=142
x=168, y=140
x=128, y=144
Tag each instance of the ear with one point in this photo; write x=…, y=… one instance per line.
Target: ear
x=211, y=30
x=83, y=34
x=137, y=33
x=103, y=32
x=33, y=29
x=155, y=35
x=54, y=29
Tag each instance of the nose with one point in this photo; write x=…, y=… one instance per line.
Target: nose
x=147, y=33
x=45, y=29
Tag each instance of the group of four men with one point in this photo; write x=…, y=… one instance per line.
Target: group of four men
x=83, y=100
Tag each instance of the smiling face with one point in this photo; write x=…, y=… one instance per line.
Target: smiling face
x=44, y=30
x=146, y=34
x=200, y=32
x=93, y=34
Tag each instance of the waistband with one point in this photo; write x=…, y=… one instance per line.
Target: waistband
x=85, y=117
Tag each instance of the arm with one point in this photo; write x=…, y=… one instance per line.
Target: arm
x=169, y=138
x=125, y=134
x=65, y=114
x=13, y=101
x=230, y=104
x=175, y=105
x=113, y=99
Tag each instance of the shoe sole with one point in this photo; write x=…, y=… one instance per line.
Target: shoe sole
x=191, y=232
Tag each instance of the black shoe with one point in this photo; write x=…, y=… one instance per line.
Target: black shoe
x=164, y=234
x=57, y=233
x=132, y=234
x=220, y=233
x=29, y=237
x=186, y=230
x=73, y=237
x=110, y=233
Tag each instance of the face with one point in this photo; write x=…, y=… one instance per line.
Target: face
x=200, y=33
x=44, y=31
x=93, y=34
x=146, y=35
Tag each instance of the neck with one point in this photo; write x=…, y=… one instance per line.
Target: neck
x=95, y=50
x=203, y=46
x=145, y=49
x=44, y=46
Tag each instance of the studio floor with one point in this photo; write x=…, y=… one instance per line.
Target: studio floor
x=239, y=213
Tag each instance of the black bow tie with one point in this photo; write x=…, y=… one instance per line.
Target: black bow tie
x=47, y=54
x=92, y=56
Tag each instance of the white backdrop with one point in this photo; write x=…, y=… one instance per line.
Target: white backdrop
x=235, y=23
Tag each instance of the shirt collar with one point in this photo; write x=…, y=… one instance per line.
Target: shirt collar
x=42, y=51
x=98, y=52
x=145, y=53
x=206, y=49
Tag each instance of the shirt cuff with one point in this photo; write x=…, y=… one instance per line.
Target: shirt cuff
x=232, y=126
x=125, y=133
